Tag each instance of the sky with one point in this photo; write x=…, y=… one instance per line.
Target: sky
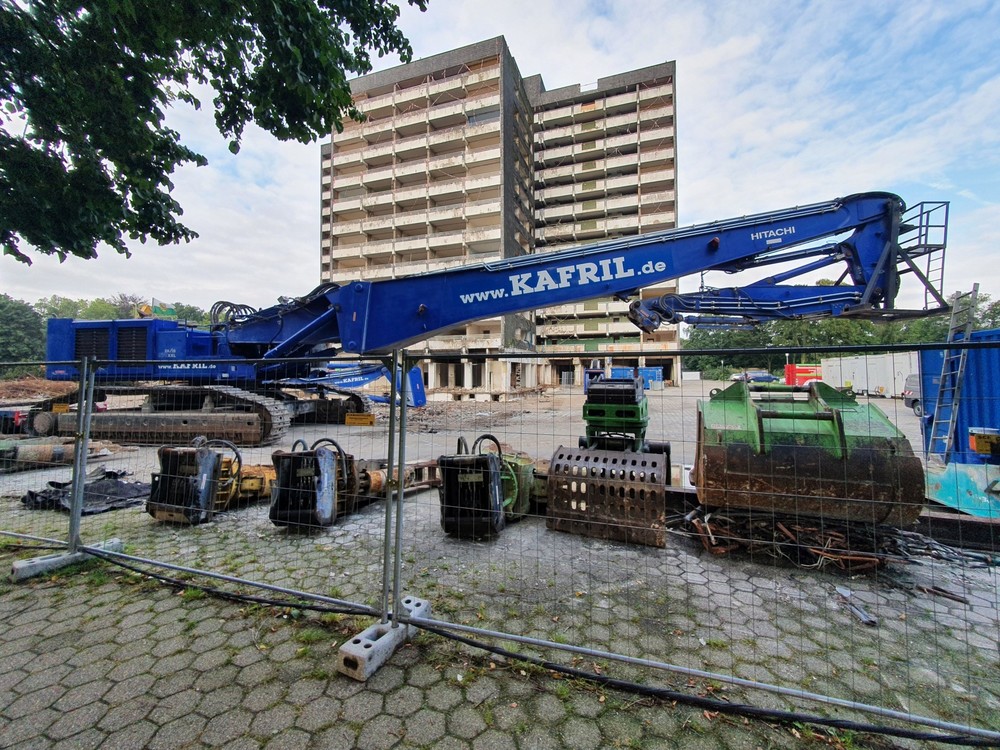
x=777, y=104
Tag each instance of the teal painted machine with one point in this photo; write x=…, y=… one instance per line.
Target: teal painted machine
x=962, y=463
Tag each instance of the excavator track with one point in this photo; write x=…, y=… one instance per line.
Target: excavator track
x=178, y=414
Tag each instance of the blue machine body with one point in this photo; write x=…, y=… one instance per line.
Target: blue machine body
x=147, y=349
x=970, y=480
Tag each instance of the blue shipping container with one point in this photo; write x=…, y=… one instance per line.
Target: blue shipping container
x=649, y=374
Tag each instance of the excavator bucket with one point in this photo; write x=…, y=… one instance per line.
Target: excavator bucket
x=805, y=451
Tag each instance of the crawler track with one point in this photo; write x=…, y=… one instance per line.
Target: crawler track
x=179, y=413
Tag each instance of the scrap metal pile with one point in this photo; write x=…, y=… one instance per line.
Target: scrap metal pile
x=816, y=543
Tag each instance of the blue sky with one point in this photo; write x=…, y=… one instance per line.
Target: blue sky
x=778, y=104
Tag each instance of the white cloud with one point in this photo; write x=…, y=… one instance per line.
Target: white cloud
x=778, y=104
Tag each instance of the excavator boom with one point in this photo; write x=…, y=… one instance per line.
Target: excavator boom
x=860, y=234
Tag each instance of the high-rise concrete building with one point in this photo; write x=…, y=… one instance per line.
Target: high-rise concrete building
x=461, y=160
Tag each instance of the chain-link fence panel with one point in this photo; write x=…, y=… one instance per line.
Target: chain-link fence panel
x=749, y=539
x=36, y=471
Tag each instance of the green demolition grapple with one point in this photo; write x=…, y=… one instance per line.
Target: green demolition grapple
x=811, y=451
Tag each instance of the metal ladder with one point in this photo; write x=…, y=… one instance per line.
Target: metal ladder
x=942, y=435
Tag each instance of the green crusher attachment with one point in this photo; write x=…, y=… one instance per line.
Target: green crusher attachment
x=811, y=451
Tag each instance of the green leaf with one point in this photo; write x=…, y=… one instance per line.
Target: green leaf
x=94, y=168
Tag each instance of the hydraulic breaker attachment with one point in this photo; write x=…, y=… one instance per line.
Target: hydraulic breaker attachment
x=317, y=486
x=313, y=487
x=617, y=413
x=196, y=482
x=471, y=490
x=804, y=451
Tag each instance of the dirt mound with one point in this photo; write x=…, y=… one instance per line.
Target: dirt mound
x=30, y=388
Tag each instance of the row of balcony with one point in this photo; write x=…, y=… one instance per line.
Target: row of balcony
x=586, y=327
x=453, y=140
x=600, y=168
x=599, y=308
x=462, y=343
x=597, y=207
x=421, y=94
x=435, y=191
x=347, y=269
x=611, y=226
x=363, y=135
x=635, y=142
x=576, y=192
x=585, y=111
x=585, y=131
x=476, y=241
x=428, y=169
x=412, y=219
x=599, y=188
x=632, y=345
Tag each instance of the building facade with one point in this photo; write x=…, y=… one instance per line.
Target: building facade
x=461, y=160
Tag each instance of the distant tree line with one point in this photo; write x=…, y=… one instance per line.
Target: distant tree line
x=22, y=324
x=779, y=336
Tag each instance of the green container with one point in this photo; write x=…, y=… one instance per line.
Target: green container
x=811, y=451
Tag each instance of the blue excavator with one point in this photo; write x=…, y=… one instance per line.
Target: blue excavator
x=237, y=379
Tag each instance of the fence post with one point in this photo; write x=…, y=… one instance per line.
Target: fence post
x=390, y=473
x=23, y=569
x=84, y=404
x=361, y=656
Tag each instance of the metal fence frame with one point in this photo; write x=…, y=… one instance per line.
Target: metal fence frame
x=391, y=610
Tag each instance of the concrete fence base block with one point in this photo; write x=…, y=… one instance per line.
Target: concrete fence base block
x=362, y=655
x=22, y=570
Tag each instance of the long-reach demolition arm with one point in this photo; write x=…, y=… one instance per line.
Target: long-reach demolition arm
x=866, y=235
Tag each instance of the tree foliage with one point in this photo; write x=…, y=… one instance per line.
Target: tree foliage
x=777, y=337
x=22, y=337
x=85, y=155
x=121, y=305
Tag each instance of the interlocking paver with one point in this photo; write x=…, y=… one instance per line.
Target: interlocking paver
x=362, y=707
x=220, y=700
x=318, y=713
x=273, y=720
x=177, y=733
x=31, y=703
x=28, y=728
x=263, y=696
x=78, y=720
x=380, y=733
x=466, y=722
x=424, y=727
x=175, y=706
x=289, y=739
